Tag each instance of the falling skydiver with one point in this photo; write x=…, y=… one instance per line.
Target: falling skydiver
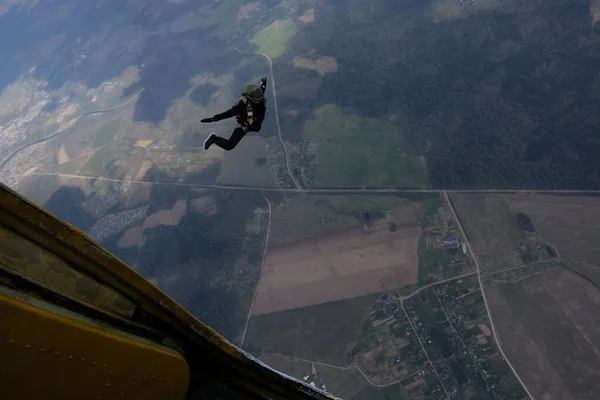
x=249, y=109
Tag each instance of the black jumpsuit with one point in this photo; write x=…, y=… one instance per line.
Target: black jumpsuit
x=239, y=111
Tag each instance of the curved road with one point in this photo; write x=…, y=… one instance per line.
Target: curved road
x=285, y=155
x=287, y=161
x=45, y=139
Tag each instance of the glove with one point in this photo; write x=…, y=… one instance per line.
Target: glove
x=205, y=120
x=263, y=81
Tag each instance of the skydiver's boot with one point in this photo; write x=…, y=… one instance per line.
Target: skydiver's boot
x=209, y=141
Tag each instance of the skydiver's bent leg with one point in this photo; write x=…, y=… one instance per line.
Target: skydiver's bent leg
x=234, y=139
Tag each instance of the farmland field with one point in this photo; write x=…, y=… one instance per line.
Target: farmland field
x=324, y=332
x=338, y=266
x=355, y=151
x=547, y=326
x=247, y=166
x=570, y=224
x=273, y=39
x=537, y=255
x=488, y=222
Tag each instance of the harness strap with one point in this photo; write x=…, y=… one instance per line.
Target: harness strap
x=249, y=113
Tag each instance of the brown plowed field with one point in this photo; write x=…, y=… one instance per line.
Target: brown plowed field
x=343, y=265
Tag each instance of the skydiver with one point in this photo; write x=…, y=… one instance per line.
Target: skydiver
x=249, y=109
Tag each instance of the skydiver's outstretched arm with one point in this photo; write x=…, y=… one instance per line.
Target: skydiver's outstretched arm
x=232, y=112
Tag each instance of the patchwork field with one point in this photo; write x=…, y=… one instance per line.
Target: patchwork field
x=247, y=9
x=204, y=205
x=73, y=166
x=308, y=16
x=324, y=332
x=323, y=65
x=248, y=166
x=143, y=143
x=570, y=223
x=143, y=170
x=140, y=193
x=547, y=324
x=167, y=217
x=302, y=217
x=488, y=222
x=335, y=267
x=567, y=225
x=63, y=157
x=545, y=314
x=132, y=237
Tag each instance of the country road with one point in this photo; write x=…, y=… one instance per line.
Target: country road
x=419, y=290
x=287, y=161
x=280, y=137
x=487, y=307
x=262, y=265
x=485, y=272
x=423, y=349
x=325, y=191
x=272, y=83
x=353, y=366
x=45, y=139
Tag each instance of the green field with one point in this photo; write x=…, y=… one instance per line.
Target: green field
x=273, y=39
x=433, y=264
x=106, y=133
x=431, y=206
x=248, y=166
x=355, y=151
x=111, y=163
x=324, y=332
x=489, y=222
x=302, y=217
x=402, y=210
x=95, y=167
